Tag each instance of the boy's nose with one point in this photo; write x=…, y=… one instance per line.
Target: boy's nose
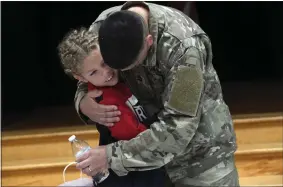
x=107, y=71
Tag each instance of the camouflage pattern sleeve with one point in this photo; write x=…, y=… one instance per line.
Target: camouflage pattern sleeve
x=80, y=93
x=178, y=121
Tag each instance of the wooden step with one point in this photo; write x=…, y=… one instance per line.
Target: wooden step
x=45, y=143
x=52, y=176
x=273, y=180
x=258, y=128
x=251, y=160
x=45, y=152
x=259, y=159
x=30, y=164
x=48, y=173
x=53, y=142
x=268, y=155
x=267, y=158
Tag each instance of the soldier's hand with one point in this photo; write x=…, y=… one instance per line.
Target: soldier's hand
x=93, y=161
x=104, y=114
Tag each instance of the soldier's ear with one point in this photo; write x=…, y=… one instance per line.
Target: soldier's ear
x=149, y=40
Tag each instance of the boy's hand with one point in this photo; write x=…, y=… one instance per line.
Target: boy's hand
x=103, y=114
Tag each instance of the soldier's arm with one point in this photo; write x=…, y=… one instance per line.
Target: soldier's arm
x=80, y=93
x=178, y=121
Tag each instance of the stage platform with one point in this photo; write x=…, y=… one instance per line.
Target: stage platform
x=35, y=149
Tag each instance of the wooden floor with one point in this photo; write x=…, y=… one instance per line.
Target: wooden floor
x=44, y=152
x=41, y=139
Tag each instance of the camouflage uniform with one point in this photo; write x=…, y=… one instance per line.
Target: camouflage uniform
x=194, y=136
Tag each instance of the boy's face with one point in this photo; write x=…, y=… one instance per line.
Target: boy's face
x=95, y=71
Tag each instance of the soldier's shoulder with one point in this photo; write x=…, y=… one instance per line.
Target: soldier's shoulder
x=171, y=47
x=176, y=23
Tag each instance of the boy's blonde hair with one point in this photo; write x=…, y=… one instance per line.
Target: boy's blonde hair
x=75, y=47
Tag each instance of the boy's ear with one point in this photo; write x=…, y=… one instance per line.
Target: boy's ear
x=79, y=78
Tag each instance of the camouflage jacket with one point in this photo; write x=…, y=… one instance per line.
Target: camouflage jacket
x=194, y=135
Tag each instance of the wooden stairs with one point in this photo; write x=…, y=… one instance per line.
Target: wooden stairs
x=37, y=157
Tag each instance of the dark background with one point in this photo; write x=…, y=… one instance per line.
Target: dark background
x=246, y=37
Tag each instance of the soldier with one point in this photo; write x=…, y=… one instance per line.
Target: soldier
x=166, y=60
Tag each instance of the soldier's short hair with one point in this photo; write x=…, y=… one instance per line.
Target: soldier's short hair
x=75, y=47
x=121, y=38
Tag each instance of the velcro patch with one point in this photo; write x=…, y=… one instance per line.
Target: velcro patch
x=186, y=90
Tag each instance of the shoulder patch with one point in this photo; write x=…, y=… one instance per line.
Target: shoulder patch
x=186, y=90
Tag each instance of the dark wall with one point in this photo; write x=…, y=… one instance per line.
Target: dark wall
x=31, y=73
x=246, y=37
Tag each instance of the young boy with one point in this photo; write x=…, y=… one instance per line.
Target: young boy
x=80, y=57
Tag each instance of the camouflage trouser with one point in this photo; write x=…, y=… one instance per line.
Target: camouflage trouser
x=230, y=180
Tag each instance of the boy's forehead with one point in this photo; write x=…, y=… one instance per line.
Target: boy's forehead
x=91, y=61
x=94, y=53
